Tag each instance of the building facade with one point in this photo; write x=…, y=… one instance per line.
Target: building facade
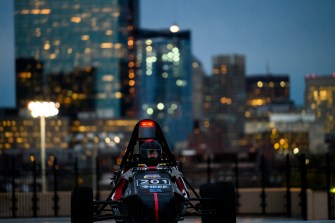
x=225, y=99
x=320, y=98
x=66, y=34
x=75, y=91
x=266, y=89
x=164, y=80
x=29, y=81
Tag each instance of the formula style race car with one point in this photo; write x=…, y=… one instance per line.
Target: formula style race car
x=148, y=187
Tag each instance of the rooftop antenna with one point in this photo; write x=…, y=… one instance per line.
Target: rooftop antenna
x=267, y=67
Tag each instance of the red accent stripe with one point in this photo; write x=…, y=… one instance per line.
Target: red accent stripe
x=156, y=207
x=119, y=190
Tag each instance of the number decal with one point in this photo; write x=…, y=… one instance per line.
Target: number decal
x=142, y=182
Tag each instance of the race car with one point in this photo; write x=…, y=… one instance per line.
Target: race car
x=149, y=187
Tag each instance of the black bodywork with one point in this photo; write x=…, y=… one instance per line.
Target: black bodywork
x=152, y=191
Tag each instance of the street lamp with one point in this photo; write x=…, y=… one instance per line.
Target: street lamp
x=43, y=109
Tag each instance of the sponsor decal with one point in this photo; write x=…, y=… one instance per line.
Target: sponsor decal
x=152, y=176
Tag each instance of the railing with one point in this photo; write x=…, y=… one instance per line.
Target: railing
x=285, y=187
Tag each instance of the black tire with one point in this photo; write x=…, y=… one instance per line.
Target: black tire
x=224, y=202
x=82, y=205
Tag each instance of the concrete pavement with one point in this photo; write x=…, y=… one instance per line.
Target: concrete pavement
x=187, y=220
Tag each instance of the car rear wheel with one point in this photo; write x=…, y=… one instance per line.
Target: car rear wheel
x=223, y=202
x=82, y=205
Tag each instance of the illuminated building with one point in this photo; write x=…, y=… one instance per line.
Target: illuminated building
x=29, y=81
x=75, y=91
x=24, y=133
x=285, y=133
x=267, y=89
x=319, y=98
x=267, y=94
x=225, y=96
x=67, y=34
x=164, y=80
x=20, y=134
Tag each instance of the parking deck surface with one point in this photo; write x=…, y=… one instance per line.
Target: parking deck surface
x=187, y=220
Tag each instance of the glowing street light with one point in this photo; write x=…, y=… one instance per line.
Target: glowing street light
x=43, y=109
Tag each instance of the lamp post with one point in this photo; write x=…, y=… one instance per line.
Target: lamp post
x=43, y=109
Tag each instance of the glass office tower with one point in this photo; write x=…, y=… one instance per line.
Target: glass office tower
x=164, y=80
x=69, y=34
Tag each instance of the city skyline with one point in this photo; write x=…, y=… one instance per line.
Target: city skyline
x=279, y=37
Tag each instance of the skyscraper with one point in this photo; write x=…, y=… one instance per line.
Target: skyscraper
x=319, y=98
x=164, y=80
x=68, y=34
x=225, y=97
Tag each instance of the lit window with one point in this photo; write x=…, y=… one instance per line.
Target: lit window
x=323, y=95
x=108, y=78
x=45, y=11
x=148, y=48
x=25, y=11
x=131, y=83
x=52, y=56
x=87, y=50
x=223, y=69
x=131, y=64
x=150, y=111
x=85, y=37
x=47, y=46
x=131, y=75
x=109, y=32
x=148, y=42
x=282, y=84
x=180, y=83
x=118, y=45
x=35, y=11
x=165, y=75
x=225, y=100
x=118, y=95
x=76, y=19
x=130, y=42
x=106, y=45
x=260, y=84
x=160, y=106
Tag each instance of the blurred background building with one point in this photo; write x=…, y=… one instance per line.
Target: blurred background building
x=106, y=72
x=164, y=80
x=69, y=35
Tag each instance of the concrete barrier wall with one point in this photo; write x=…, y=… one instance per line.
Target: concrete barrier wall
x=317, y=205
x=249, y=200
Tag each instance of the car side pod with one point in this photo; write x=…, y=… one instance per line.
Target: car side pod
x=223, y=203
x=82, y=205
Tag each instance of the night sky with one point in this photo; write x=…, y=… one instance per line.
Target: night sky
x=294, y=37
